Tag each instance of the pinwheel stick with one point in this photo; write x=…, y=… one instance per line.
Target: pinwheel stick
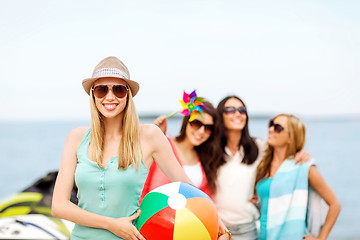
x=172, y=114
x=191, y=104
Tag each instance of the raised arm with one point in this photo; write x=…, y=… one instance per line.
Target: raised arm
x=319, y=184
x=63, y=208
x=161, y=122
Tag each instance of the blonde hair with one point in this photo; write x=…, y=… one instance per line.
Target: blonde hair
x=129, y=147
x=296, y=129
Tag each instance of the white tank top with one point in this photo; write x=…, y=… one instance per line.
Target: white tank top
x=194, y=173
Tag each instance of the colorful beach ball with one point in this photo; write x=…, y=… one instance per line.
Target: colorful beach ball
x=178, y=211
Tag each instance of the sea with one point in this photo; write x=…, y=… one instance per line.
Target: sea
x=31, y=149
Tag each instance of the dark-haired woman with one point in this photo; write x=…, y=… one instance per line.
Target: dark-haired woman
x=236, y=172
x=197, y=149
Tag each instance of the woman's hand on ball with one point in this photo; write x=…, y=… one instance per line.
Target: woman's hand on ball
x=124, y=228
x=224, y=237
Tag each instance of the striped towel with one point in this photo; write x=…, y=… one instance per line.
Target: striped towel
x=288, y=202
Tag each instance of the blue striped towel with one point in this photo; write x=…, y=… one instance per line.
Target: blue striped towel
x=288, y=201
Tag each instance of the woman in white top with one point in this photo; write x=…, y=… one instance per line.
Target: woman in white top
x=236, y=172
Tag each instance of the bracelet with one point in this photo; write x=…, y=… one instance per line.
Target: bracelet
x=225, y=231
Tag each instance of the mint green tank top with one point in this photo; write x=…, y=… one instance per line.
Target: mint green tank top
x=263, y=191
x=110, y=192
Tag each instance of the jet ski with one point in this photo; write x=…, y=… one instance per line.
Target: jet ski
x=27, y=214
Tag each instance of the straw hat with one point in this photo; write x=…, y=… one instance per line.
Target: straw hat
x=111, y=67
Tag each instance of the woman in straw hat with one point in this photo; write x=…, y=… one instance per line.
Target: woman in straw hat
x=109, y=161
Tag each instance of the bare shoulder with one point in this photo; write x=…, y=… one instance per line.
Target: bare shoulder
x=315, y=176
x=151, y=136
x=260, y=143
x=71, y=145
x=78, y=132
x=313, y=171
x=75, y=136
x=149, y=131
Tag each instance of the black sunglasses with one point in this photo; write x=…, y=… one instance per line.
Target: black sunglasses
x=119, y=91
x=196, y=124
x=277, y=127
x=232, y=110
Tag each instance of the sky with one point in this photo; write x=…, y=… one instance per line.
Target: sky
x=300, y=57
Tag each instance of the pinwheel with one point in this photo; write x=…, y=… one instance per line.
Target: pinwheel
x=191, y=104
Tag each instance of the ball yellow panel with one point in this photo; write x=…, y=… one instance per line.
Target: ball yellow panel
x=189, y=227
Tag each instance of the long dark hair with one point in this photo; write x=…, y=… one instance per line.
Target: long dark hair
x=248, y=143
x=209, y=152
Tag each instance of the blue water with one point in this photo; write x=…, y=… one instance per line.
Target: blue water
x=28, y=150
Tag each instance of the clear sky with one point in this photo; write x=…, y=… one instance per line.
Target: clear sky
x=301, y=57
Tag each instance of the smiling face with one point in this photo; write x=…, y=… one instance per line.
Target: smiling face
x=198, y=136
x=110, y=106
x=276, y=138
x=234, y=121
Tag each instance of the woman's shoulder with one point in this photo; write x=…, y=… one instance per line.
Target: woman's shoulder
x=151, y=134
x=260, y=143
x=149, y=129
x=77, y=134
x=79, y=130
x=74, y=138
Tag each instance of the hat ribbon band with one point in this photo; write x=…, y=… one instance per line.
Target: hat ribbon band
x=113, y=72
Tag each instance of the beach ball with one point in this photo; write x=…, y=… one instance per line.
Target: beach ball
x=178, y=211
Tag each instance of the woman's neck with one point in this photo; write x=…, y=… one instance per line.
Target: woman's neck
x=233, y=140
x=279, y=154
x=112, y=127
x=185, y=145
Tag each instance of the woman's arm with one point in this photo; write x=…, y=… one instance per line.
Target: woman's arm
x=161, y=122
x=166, y=160
x=324, y=190
x=302, y=157
x=224, y=233
x=156, y=147
x=63, y=208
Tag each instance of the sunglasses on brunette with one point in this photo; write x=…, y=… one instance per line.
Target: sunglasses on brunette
x=232, y=110
x=277, y=127
x=196, y=124
x=119, y=91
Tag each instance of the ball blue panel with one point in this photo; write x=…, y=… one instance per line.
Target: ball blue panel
x=190, y=191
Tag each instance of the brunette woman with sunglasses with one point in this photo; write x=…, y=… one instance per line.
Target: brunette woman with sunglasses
x=110, y=160
x=196, y=147
x=236, y=171
x=283, y=186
